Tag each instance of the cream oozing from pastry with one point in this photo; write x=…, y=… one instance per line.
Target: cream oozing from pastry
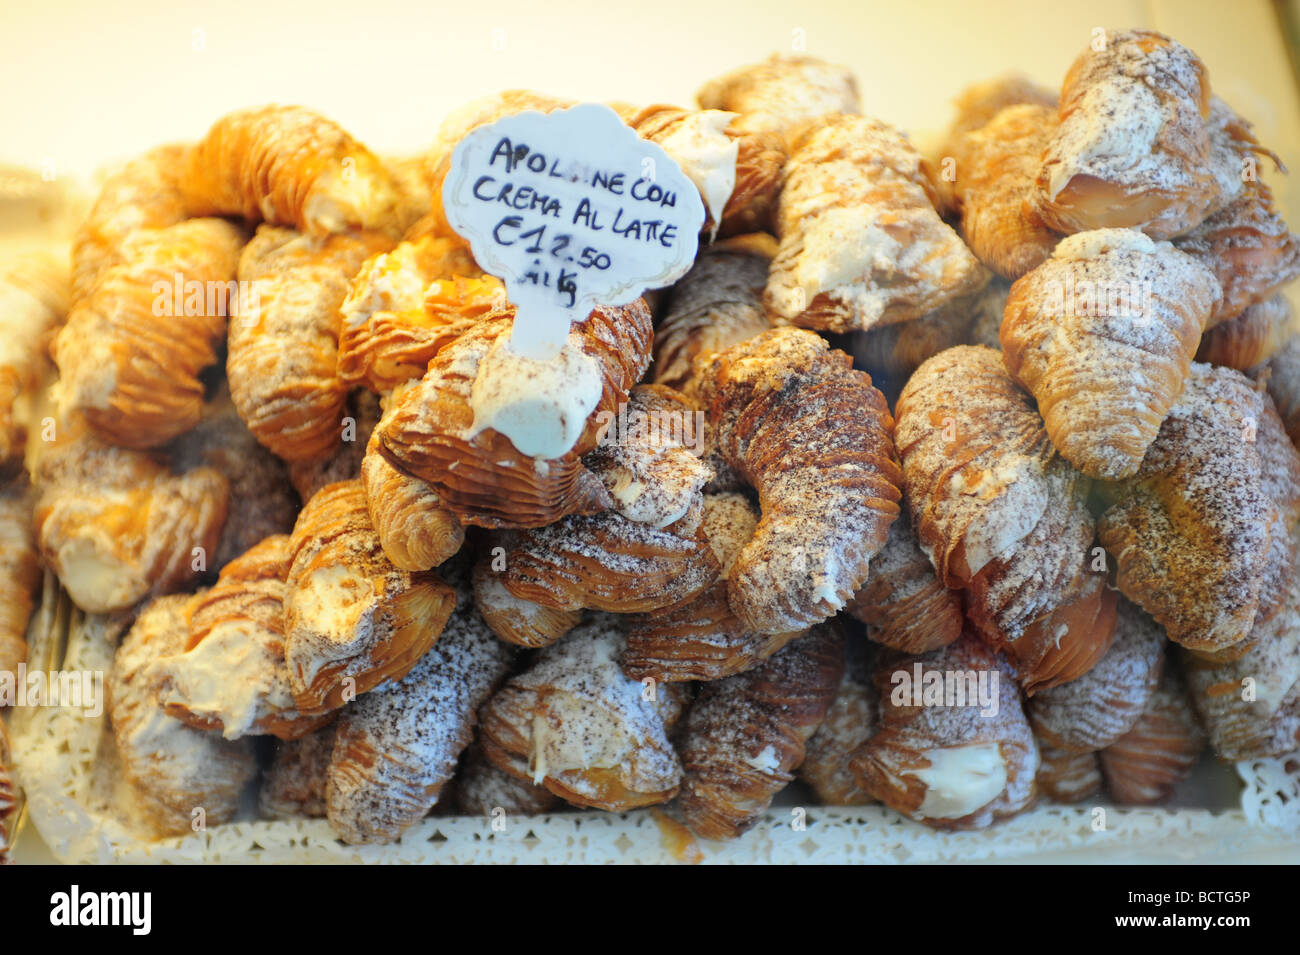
x=330, y=600
x=1114, y=127
x=541, y=405
x=24, y=319
x=94, y=578
x=707, y=155
x=228, y=677
x=960, y=779
x=390, y=282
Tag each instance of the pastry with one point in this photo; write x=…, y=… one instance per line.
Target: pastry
x=33, y=301
x=737, y=172
x=8, y=798
x=397, y=746
x=953, y=749
x=788, y=412
x=229, y=675
x=131, y=352
x=1001, y=515
x=143, y=194
x=782, y=93
x=20, y=573
x=993, y=184
x=990, y=306
x=176, y=774
x=344, y=464
x=514, y=619
x=1250, y=706
x=574, y=723
x=1190, y=530
x=718, y=303
x=403, y=306
x=119, y=525
x=1252, y=338
x=261, y=501
x=1132, y=148
x=283, y=342
x=702, y=639
x=484, y=790
x=416, y=531
x=290, y=166
x=649, y=550
x=1067, y=777
x=898, y=350
x=351, y=619
x=745, y=736
x=861, y=244
x=1093, y=711
x=1282, y=375
x=978, y=103
x=433, y=433
x=1102, y=335
x=294, y=784
x=1249, y=249
x=903, y=601
x=850, y=722
x=607, y=562
x=1145, y=764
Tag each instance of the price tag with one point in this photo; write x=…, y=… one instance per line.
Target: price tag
x=571, y=209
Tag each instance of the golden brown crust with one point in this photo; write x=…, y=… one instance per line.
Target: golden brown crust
x=789, y=412
x=903, y=601
x=850, y=721
x=1094, y=710
x=1190, y=531
x=514, y=619
x=174, y=771
x=702, y=639
x=1250, y=705
x=261, y=502
x=576, y=724
x=344, y=464
x=782, y=93
x=861, y=242
x=1248, y=247
x=8, y=798
x=20, y=574
x=33, y=303
x=484, y=479
x=718, y=303
x=283, y=342
x=397, y=746
x=143, y=194
x=1282, y=376
x=1067, y=777
x=993, y=188
x=229, y=675
x=129, y=358
x=1148, y=761
x=1250, y=339
x=117, y=525
x=745, y=736
x=1133, y=147
x=1102, y=334
x=1000, y=514
x=913, y=739
x=288, y=165
x=352, y=620
x=404, y=306
x=417, y=532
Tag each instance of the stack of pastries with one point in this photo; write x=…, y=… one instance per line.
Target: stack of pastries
x=951, y=483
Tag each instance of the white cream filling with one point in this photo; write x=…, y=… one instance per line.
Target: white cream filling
x=707, y=155
x=1089, y=245
x=541, y=405
x=960, y=780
